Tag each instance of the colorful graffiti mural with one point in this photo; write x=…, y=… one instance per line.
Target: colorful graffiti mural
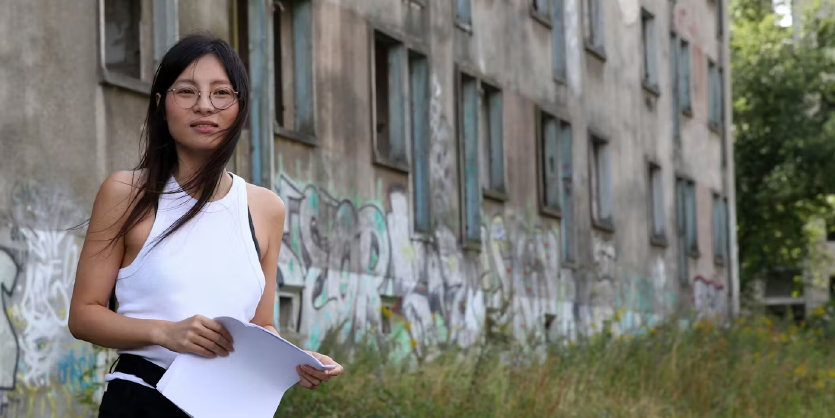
x=42, y=367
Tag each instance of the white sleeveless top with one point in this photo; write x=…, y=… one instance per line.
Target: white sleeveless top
x=208, y=267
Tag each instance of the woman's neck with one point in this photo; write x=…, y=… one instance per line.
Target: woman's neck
x=187, y=167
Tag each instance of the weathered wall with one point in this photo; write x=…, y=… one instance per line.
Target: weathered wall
x=349, y=241
x=341, y=268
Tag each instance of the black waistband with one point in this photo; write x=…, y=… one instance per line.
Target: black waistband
x=141, y=368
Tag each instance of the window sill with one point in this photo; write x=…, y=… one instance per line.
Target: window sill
x=301, y=137
x=694, y=253
x=659, y=241
x=569, y=264
x=423, y=236
x=603, y=225
x=550, y=211
x=471, y=245
x=597, y=51
x=464, y=26
x=560, y=77
x=541, y=17
x=399, y=166
x=714, y=127
x=687, y=111
x=651, y=88
x=719, y=260
x=495, y=194
x=128, y=83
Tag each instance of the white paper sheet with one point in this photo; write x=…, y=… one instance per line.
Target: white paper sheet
x=248, y=383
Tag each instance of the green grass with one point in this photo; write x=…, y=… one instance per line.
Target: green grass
x=754, y=367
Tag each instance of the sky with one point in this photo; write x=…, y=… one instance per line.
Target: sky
x=783, y=9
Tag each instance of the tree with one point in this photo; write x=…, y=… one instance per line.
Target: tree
x=784, y=134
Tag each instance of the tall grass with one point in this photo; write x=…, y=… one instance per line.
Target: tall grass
x=754, y=367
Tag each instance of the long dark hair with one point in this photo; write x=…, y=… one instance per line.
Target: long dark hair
x=159, y=157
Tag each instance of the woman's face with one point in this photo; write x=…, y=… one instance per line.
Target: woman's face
x=198, y=111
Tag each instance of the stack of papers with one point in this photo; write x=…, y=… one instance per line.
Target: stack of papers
x=249, y=382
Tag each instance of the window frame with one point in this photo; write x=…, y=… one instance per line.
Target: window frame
x=148, y=48
x=486, y=90
x=542, y=16
x=594, y=34
x=595, y=139
x=468, y=242
x=685, y=74
x=650, y=79
x=379, y=159
x=310, y=136
x=415, y=167
x=656, y=239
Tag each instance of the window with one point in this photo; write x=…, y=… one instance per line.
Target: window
x=567, y=221
x=650, y=63
x=560, y=67
x=720, y=228
x=491, y=134
x=542, y=7
x=166, y=28
x=549, y=145
x=419, y=95
x=684, y=78
x=656, y=204
x=389, y=102
x=463, y=12
x=675, y=81
x=719, y=21
x=468, y=131
x=135, y=36
x=715, y=92
x=687, y=215
x=601, y=183
x=287, y=319
x=293, y=65
x=541, y=11
x=593, y=25
x=122, y=52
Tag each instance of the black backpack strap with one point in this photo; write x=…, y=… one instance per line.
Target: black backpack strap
x=252, y=230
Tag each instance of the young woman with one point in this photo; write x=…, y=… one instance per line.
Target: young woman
x=180, y=240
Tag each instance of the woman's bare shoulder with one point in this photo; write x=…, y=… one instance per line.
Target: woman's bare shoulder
x=117, y=192
x=265, y=201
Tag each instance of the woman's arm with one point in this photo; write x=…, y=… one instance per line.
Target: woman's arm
x=91, y=320
x=99, y=263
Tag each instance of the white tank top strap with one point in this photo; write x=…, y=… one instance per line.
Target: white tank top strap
x=242, y=203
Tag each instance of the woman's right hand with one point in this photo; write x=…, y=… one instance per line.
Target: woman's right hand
x=198, y=335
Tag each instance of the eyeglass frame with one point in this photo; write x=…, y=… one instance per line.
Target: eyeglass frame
x=199, y=94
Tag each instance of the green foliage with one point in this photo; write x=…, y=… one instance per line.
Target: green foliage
x=755, y=367
x=784, y=133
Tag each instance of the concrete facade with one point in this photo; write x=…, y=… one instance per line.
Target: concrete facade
x=357, y=251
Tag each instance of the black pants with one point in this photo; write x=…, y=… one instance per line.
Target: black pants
x=125, y=399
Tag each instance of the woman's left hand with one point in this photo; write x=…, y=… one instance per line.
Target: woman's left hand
x=312, y=378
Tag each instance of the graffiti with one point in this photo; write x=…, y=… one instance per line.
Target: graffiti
x=346, y=257
x=41, y=365
x=605, y=258
x=9, y=349
x=44, y=306
x=709, y=298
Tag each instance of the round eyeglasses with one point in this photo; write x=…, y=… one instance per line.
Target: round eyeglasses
x=221, y=98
